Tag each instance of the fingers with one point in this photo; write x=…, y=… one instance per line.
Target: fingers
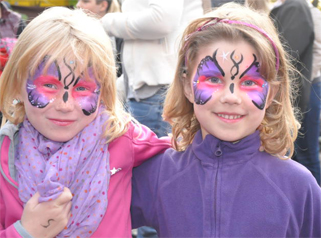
x=65, y=197
x=34, y=200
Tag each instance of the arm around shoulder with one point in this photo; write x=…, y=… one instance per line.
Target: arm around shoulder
x=144, y=192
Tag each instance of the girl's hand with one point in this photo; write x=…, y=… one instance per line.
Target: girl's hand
x=47, y=219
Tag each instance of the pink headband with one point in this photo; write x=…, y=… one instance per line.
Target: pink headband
x=218, y=20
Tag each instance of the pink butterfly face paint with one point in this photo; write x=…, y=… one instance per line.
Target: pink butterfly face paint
x=40, y=87
x=230, y=94
x=254, y=84
x=57, y=84
x=207, y=79
x=210, y=77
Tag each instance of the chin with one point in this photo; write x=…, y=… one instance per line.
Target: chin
x=229, y=138
x=60, y=138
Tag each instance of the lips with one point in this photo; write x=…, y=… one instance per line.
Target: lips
x=61, y=122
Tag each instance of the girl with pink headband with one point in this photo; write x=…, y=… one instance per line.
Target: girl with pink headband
x=233, y=125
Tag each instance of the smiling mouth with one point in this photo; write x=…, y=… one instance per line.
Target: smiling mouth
x=229, y=117
x=62, y=122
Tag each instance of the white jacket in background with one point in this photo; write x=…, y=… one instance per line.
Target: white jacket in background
x=151, y=30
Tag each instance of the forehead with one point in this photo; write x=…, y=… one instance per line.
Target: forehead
x=64, y=66
x=225, y=51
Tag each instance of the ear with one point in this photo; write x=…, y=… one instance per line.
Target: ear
x=188, y=90
x=272, y=93
x=103, y=6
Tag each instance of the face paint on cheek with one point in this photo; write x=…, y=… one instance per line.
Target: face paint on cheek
x=38, y=95
x=258, y=97
x=87, y=93
x=208, y=68
x=259, y=92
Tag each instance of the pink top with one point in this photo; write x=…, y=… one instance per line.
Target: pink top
x=126, y=152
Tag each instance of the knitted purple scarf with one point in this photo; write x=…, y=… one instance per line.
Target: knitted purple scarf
x=81, y=164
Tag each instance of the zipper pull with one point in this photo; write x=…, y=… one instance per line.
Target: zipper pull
x=218, y=151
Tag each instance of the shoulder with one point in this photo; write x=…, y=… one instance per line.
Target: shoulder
x=140, y=134
x=285, y=174
x=9, y=130
x=167, y=165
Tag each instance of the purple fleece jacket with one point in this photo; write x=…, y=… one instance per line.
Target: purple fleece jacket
x=223, y=189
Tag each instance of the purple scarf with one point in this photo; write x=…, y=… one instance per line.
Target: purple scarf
x=81, y=164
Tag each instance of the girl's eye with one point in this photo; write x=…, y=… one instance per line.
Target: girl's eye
x=80, y=89
x=249, y=83
x=49, y=85
x=214, y=80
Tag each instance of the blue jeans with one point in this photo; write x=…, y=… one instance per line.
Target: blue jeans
x=307, y=145
x=149, y=113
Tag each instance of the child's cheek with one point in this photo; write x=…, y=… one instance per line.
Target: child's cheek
x=258, y=95
x=204, y=91
x=88, y=101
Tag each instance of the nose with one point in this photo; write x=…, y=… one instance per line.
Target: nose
x=231, y=95
x=65, y=103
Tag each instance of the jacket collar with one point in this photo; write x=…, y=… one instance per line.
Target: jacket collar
x=211, y=148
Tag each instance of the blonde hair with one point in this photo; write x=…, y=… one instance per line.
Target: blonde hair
x=60, y=33
x=279, y=127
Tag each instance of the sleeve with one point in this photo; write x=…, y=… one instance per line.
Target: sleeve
x=156, y=21
x=144, y=193
x=146, y=144
x=311, y=220
x=10, y=231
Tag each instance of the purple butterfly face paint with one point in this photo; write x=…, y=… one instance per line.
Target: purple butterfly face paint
x=210, y=75
x=254, y=84
x=61, y=84
x=207, y=71
x=230, y=94
x=37, y=95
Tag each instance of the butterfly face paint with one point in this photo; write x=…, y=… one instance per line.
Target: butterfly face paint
x=254, y=84
x=208, y=71
x=230, y=94
x=64, y=85
x=209, y=79
x=38, y=86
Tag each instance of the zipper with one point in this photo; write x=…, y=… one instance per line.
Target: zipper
x=218, y=153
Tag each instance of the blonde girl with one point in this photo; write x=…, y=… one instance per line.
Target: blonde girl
x=68, y=149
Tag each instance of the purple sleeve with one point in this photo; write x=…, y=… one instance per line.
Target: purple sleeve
x=144, y=193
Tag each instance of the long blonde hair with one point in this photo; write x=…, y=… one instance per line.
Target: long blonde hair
x=62, y=33
x=279, y=126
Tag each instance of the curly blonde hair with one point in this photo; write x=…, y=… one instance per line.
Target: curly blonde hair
x=279, y=127
x=62, y=33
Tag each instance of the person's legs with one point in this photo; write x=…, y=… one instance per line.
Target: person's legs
x=307, y=145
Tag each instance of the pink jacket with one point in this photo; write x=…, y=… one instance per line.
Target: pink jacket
x=126, y=152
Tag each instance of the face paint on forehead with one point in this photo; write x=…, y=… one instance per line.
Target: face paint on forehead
x=236, y=64
x=36, y=95
x=257, y=94
x=207, y=68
